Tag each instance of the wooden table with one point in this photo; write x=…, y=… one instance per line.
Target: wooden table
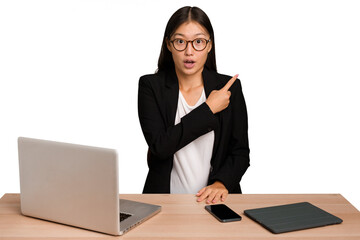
x=183, y=218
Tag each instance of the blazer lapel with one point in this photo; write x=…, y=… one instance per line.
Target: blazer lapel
x=211, y=82
x=171, y=97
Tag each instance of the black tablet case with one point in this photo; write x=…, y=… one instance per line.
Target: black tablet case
x=291, y=217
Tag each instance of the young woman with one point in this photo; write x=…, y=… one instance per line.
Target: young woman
x=194, y=119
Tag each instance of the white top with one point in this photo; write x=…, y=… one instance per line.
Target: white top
x=191, y=166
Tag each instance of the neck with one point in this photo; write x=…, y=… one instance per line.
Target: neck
x=187, y=82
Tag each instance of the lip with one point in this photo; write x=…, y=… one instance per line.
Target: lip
x=189, y=63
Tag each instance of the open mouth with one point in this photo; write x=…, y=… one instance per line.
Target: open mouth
x=189, y=63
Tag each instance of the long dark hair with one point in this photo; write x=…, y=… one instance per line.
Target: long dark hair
x=181, y=16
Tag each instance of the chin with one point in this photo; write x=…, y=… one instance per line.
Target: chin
x=191, y=71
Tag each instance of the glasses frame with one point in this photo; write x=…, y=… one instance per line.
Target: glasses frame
x=192, y=43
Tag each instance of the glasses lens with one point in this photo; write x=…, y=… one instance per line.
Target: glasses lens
x=179, y=44
x=199, y=44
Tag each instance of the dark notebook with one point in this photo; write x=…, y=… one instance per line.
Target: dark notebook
x=291, y=217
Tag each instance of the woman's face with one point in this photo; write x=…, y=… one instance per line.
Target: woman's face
x=189, y=62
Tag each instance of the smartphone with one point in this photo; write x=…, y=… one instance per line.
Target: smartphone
x=222, y=213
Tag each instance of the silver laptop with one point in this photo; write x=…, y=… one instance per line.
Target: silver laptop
x=76, y=185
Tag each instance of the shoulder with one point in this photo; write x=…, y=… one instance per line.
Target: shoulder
x=223, y=78
x=152, y=77
x=156, y=79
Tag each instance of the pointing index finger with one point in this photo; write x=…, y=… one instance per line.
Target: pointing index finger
x=230, y=83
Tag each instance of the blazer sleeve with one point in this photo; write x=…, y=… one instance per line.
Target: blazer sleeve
x=237, y=158
x=164, y=140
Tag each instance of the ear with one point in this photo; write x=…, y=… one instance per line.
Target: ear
x=168, y=44
x=210, y=46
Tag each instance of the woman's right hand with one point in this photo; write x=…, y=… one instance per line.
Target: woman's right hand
x=218, y=100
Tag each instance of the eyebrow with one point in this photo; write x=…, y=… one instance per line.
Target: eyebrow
x=182, y=35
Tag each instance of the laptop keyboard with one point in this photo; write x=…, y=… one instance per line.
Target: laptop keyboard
x=124, y=216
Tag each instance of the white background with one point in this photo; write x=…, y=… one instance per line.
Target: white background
x=69, y=72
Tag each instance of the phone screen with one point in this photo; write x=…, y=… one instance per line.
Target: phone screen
x=223, y=213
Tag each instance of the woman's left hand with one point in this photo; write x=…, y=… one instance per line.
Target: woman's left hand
x=213, y=193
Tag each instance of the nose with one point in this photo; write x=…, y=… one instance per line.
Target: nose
x=189, y=50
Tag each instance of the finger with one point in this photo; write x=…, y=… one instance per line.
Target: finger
x=230, y=83
x=204, y=195
x=224, y=196
x=211, y=196
x=201, y=191
x=201, y=194
x=217, y=197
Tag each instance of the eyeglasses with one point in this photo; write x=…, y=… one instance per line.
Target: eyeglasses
x=198, y=44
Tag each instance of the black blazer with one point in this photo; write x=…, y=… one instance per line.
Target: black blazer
x=157, y=105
